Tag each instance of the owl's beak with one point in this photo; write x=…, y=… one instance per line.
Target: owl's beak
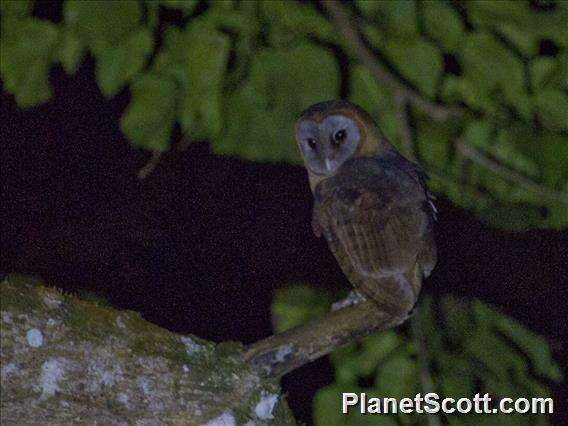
x=329, y=164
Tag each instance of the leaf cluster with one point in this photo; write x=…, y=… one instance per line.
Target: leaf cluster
x=463, y=347
x=238, y=73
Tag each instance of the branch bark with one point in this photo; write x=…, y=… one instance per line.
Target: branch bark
x=284, y=352
x=474, y=155
x=405, y=130
x=149, y=167
x=67, y=361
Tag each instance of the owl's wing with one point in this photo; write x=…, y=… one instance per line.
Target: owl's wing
x=378, y=223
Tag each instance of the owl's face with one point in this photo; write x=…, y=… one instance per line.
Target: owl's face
x=326, y=144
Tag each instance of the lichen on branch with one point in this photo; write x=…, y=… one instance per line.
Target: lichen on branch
x=70, y=361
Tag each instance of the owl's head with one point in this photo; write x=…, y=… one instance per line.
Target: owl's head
x=329, y=133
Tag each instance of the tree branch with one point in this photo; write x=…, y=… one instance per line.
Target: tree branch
x=405, y=131
x=149, y=167
x=346, y=28
x=284, y=352
x=477, y=157
x=67, y=361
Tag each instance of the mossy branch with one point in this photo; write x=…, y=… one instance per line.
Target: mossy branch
x=69, y=361
x=284, y=352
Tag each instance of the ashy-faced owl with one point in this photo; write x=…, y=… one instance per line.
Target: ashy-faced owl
x=370, y=204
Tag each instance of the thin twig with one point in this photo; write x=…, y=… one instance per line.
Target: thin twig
x=477, y=157
x=346, y=28
x=149, y=167
x=405, y=131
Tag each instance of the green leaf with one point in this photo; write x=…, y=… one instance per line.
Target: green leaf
x=456, y=375
x=552, y=107
x=397, y=376
x=296, y=305
x=457, y=319
x=357, y=419
x=443, y=23
x=533, y=345
x=541, y=70
x=70, y=50
x=464, y=364
x=150, y=116
x=490, y=70
x=506, y=195
x=453, y=88
x=500, y=387
x=474, y=94
x=524, y=41
x=117, y=65
x=206, y=61
x=376, y=100
x=511, y=13
x=361, y=361
x=558, y=215
x=522, y=103
x=224, y=5
x=186, y=6
x=478, y=134
x=560, y=76
x=514, y=20
x=553, y=159
x=429, y=325
x=26, y=50
x=484, y=345
x=394, y=18
x=345, y=361
x=15, y=9
x=532, y=387
x=418, y=60
x=545, y=151
x=223, y=15
x=197, y=59
x=261, y=114
x=434, y=141
x=170, y=60
x=374, y=349
x=152, y=13
x=102, y=24
x=506, y=150
x=327, y=406
x=290, y=21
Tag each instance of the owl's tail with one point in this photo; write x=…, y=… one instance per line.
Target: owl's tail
x=395, y=294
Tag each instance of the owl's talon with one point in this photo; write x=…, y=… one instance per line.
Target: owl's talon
x=406, y=317
x=352, y=299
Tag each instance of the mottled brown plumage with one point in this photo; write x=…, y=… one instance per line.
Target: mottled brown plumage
x=371, y=205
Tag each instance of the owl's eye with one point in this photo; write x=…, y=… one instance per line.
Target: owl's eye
x=339, y=136
x=311, y=143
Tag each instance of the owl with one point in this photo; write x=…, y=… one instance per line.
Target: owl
x=370, y=204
